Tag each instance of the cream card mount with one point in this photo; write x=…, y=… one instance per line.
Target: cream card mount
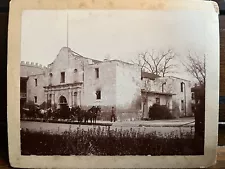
x=113, y=84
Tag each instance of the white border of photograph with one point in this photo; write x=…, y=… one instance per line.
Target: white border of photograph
x=210, y=9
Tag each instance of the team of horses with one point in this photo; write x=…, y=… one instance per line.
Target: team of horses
x=70, y=113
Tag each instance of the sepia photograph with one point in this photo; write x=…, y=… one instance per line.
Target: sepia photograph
x=112, y=83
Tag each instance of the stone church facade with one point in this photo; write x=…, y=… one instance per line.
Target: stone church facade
x=74, y=80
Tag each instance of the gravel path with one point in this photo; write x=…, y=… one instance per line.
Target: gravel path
x=60, y=127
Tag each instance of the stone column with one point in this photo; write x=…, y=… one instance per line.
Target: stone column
x=50, y=96
x=46, y=99
x=171, y=104
x=146, y=108
x=142, y=108
x=79, y=97
x=72, y=98
x=52, y=100
x=69, y=98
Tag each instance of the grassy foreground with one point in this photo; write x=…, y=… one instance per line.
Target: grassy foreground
x=103, y=142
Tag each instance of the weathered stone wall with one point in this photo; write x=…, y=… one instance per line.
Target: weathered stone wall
x=173, y=85
x=147, y=84
x=106, y=83
x=38, y=90
x=128, y=91
x=33, y=71
x=119, y=84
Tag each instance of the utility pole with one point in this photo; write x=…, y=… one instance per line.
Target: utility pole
x=185, y=109
x=67, y=35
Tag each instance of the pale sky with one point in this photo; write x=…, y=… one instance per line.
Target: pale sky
x=118, y=34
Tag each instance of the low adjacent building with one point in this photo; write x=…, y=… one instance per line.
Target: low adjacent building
x=171, y=91
x=28, y=71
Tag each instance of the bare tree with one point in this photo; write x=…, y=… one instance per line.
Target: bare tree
x=159, y=63
x=195, y=66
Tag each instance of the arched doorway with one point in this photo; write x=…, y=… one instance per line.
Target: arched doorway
x=62, y=102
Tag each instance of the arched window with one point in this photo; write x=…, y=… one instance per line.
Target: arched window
x=75, y=70
x=50, y=78
x=163, y=86
x=182, y=86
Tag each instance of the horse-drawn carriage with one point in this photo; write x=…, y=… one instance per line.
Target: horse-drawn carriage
x=65, y=113
x=30, y=112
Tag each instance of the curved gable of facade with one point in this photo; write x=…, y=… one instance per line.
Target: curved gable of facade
x=62, y=60
x=69, y=63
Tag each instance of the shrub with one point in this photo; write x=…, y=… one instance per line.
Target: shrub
x=103, y=141
x=158, y=112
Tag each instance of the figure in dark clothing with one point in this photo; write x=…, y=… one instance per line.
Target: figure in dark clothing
x=113, y=116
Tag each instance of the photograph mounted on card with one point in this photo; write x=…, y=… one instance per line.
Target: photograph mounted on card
x=113, y=84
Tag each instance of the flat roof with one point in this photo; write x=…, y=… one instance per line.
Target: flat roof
x=155, y=92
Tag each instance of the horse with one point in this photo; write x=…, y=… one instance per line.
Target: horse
x=80, y=114
x=95, y=113
x=92, y=114
x=76, y=112
x=84, y=115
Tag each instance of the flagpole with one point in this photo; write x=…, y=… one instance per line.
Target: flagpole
x=67, y=36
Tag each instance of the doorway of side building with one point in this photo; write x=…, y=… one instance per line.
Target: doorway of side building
x=145, y=110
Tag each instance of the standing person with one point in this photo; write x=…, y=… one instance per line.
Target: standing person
x=113, y=116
